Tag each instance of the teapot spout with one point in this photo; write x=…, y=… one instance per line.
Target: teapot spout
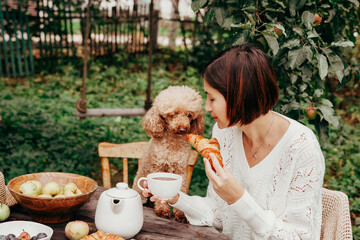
x=116, y=205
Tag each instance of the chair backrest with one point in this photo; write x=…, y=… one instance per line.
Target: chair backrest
x=336, y=222
x=132, y=150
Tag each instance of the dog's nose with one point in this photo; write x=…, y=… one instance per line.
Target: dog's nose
x=182, y=130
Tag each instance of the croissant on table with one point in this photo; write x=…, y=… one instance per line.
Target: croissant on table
x=205, y=147
x=100, y=235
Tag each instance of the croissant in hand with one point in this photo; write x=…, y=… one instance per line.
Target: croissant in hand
x=205, y=147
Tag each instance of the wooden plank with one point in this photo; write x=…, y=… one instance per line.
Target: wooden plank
x=124, y=150
x=26, y=64
x=69, y=11
x=12, y=57
x=39, y=22
x=17, y=45
x=31, y=59
x=109, y=112
x=60, y=44
x=7, y=70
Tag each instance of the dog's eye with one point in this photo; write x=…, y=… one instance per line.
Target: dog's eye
x=189, y=115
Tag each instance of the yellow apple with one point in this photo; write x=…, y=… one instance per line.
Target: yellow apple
x=29, y=188
x=52, y=188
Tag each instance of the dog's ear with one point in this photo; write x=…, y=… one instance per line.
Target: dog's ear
x=197, y=125
x=153, y=124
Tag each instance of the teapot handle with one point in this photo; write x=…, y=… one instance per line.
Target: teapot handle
x=138, y=183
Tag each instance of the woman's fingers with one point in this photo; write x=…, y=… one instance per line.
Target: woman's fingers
x=154, y=198
x=209, y=171
x=146, y=192
x=215, y=162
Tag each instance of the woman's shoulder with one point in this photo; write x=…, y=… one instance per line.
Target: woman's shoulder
x=298, y=132
x=218, y=133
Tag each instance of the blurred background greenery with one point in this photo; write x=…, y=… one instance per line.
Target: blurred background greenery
x=39, y=129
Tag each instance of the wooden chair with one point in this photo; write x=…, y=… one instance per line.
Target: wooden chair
x=336, y=223
x=132, y=150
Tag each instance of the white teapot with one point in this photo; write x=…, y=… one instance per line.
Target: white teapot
x=119, y=211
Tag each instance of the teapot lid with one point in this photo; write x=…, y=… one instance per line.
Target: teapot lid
x=122, y=190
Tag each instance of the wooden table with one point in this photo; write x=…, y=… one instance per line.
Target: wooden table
x=154, y=227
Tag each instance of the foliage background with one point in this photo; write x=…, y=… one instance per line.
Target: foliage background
x=40, y=131
x=315, y=65
x=306, y=40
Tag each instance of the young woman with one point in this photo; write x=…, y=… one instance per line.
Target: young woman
x=270, y=186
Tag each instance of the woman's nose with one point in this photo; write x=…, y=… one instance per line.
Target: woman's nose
x=207, y=107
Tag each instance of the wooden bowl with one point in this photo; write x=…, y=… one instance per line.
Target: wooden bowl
x=53, y=210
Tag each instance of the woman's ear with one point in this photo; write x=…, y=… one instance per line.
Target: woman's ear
x=153, y=124
x=197, y=125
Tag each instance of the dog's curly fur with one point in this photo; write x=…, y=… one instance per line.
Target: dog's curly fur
x=176, y=111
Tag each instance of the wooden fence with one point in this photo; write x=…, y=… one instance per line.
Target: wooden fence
x=44, y=34
x=119, y=30
x=16, y=57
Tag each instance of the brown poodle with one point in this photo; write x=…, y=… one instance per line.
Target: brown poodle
x=176, y=111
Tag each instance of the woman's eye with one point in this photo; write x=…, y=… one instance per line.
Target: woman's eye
x=211, y=99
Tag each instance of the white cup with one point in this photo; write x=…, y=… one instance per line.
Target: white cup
x=165, y=185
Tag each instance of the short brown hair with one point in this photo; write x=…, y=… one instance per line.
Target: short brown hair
x=245, y=77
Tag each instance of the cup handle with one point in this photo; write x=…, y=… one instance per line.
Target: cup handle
x=138, y=183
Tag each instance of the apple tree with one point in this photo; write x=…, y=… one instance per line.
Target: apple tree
x=307, y=41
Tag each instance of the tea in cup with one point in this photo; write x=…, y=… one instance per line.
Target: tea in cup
x=165, y=185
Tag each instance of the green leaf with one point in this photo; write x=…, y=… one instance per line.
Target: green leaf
x=291, y=106
x=280, y=3
x=312, y=34
x=241, y=25
x=209, y=15
x=297, y=57
x=336, y=66
x=250, y=17
x=292, y=7
x=227, y=23
x=249, y=9
x=343, y=43
x=220, y=15
x=355, y=2
x=291, y=43
x=299, y=31
x=307, y=17
x=295, y=5
x=273, y=43
x=322, y=66
x=197, y=4
x=327, y=111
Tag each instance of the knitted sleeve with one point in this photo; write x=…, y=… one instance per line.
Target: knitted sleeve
x=301, y=218
x=202, y=211
x=198, y=210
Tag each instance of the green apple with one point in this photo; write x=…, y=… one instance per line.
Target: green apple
x=4, y=212
x=29, y=188
x=51, y=188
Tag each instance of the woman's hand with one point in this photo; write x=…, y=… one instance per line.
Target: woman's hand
x=146, y=193
x=225, y=185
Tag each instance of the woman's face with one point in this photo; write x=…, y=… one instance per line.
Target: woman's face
x=216, y=105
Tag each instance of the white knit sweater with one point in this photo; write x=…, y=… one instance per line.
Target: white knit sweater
x=282, y=197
